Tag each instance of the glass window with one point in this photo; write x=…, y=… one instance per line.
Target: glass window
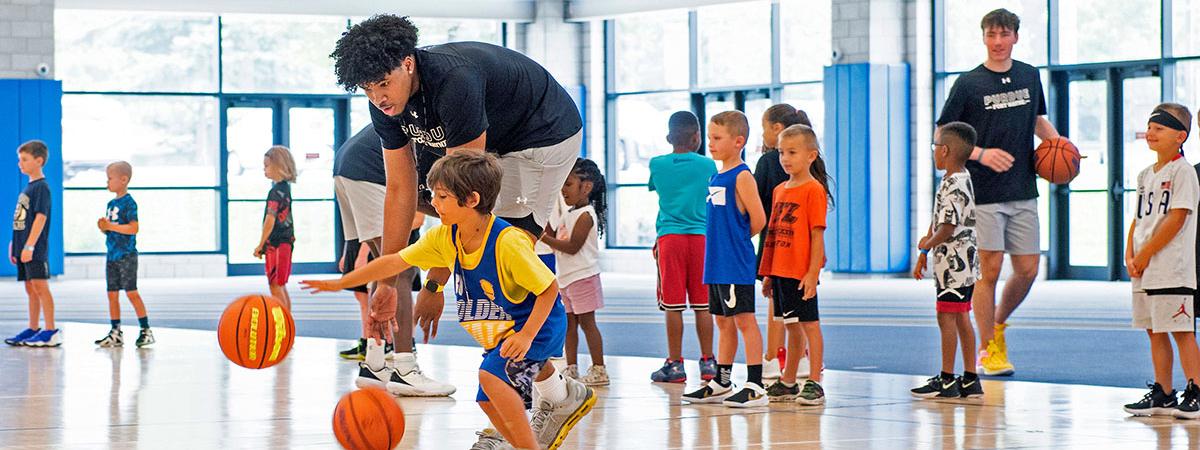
x=1109, y=30
x=248, y=136
x=1187, y=92
x=312, y=221
x=734, y=44
x=805, y=39
x=1185, y=27
x=810, y=98
x=311, y=143
x=964, y=39
x=636, y=213
x=143, y=52
x=641, y=132
x=170, y=220
x=280, y=54
x=169, y=140
x=440, y=31
x=360, y=113
x=651, y=51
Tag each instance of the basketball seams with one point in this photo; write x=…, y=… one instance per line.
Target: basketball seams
x=354, y=419
x=266, y=337
x=237, y=335
x=383, y=413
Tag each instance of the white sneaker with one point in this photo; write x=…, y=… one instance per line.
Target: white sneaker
x=551, y=422
x=572, y=371
x=114, y=338
x=368, y=378
x=770, y=369
x=490, y=439
x=752, y=395
x=596, y=376
x=410, y=382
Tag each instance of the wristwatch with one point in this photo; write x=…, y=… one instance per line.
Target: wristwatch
x=29, y=248
x=432, y=286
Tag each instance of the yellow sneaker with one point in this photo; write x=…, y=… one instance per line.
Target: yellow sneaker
x=995, y=362
x=999, y=337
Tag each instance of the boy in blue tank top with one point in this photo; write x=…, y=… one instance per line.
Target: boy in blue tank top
x=507, y=300
x=735, y=215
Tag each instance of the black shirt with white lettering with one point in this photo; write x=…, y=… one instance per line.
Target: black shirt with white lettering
x=467, y=88
x=1003, y=107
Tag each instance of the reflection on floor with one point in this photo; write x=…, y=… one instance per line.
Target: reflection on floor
x=182, y=393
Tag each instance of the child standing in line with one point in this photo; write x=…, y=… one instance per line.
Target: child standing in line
x=793, y=257
x=1160, y=255
x=29, y=249
x=577, y=251
x=769, y=174
x=735, y=215
x=120, y=226
x=275, y=244
x=951, y=238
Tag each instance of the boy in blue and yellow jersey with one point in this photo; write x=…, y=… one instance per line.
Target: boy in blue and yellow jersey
x=507, y=300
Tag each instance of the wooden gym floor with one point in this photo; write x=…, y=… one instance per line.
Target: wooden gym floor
x=183, y=394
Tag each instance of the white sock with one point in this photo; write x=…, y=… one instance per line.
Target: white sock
x=404, y=362
x=553, y=389
x=374, y=354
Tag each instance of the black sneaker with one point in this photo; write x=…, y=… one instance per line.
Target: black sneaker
x=937, y=387
x=145, y=338
x=709, y=392
x=970, y=389
x=752, y=395
x=1189, y=407
x=114, y=338
x=812, y=394
x=779, y=392
x=356, y=353
x=1154, y=403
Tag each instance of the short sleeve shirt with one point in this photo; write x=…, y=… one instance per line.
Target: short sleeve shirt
x=796, y=212
x=121, y=211
x=34, y=200
x=279, y=205
x=360, y=158
x=956, y=261
x=681, y=180
x=1003, y=107
x=1174, y=186
x=521, y=272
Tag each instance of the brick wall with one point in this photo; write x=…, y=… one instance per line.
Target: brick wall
x=26, y=37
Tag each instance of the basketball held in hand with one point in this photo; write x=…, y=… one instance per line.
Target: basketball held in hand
x=1057, y=160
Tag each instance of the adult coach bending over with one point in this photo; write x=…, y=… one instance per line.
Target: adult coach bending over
x=1004, y=101
x=461, y=96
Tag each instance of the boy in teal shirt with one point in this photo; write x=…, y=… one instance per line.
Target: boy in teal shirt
x=681, y=180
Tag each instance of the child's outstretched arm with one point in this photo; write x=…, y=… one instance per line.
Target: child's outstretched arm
x=516, y=346
x=382, y=267
x=1164, y=232
x=747, y=195
x=578, y=237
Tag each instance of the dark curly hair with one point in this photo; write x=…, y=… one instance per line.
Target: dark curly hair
x=371, y=49
x=587, y=170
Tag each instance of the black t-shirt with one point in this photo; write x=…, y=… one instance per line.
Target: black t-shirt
x=1003, y=108
x=768, y=173
x=34, y=200
x=279, y=204
x=360, y=158
x=467, y=88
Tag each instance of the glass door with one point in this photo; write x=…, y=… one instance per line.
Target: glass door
x=1105, y=112
x=309, y=128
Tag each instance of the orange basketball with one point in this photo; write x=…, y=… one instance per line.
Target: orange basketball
x=256, y=331
x=368, y=419
x=1057, y=160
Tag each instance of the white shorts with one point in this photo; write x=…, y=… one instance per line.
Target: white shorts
x=361, y=207
x=533, y=179
x=1010, y=227
x=1163, y=313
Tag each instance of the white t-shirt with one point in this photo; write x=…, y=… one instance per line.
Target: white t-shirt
x=956, y=261
x=1172, y=187
x=586, y=262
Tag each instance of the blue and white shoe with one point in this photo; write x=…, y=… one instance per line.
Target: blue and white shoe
x=21, y=337
x=46, y=338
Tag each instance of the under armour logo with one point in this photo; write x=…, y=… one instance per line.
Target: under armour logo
x=522, y=200
x=1183, y=311
x=1004, y=80
x=414, y=114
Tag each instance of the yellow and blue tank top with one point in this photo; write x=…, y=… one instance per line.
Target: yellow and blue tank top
x=485, y=309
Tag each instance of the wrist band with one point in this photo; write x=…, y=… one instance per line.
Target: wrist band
x=981, y=152
x=924, y=251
